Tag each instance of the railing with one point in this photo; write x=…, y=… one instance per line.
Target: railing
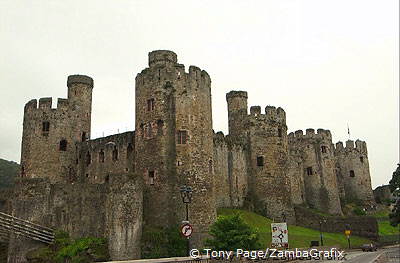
x=10, y=224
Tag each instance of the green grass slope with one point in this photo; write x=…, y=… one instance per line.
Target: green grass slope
x=8, y=171
x=298, y=236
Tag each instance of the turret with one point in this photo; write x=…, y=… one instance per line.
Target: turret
x=237, y=112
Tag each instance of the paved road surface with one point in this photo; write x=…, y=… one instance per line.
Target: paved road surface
x=392, y=255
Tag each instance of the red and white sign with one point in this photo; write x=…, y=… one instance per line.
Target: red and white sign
x=187, y=230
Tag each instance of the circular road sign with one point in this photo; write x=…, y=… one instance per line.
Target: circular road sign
x=187, y=230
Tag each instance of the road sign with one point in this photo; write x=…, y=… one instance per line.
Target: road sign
x=347, y=233
x=186, y=230
x=280, y=235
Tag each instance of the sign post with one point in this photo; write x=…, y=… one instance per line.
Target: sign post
x=347, y=232
x=280, y=235
x=186, y=231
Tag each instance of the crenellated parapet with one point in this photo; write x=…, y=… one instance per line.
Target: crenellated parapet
x=310, y=134
x=358, y=147
x=271, y=114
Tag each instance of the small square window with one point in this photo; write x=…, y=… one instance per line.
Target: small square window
x=362, y=159
x=260, y=160
x=151, y=177
x=352, y=174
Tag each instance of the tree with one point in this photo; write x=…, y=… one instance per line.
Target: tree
x=231, y=233
x=394, y=185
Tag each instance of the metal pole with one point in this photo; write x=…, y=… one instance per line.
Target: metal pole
x=187, y=211
x=320, y=233
x=348, y=239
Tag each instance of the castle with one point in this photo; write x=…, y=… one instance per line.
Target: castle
x=118, y=185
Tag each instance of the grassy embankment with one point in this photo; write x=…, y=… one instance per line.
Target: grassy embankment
x=298, y=236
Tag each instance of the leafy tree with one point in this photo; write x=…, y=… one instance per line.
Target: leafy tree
x=8, y=171
x=231, y=233
x=394, y=185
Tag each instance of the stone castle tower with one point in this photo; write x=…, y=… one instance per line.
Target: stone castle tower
x=269, y=184
x=353, y=171
x=312, y=157
x=174, y=141
x=50, y=134
x=134, y=177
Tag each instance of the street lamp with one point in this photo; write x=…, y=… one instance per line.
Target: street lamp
x=320, y=230
x=186, y=194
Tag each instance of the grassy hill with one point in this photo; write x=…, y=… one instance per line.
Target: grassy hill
x=8, y=171
x=298, y=236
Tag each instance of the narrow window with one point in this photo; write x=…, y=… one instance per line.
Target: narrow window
x=151, y=177
x=148, y=131
x=160, y=126
x=83, y=136
x=88, y=159
x=323, y=149
x=260, y=160
x=63, y=145
x=129, y=151
x=352, y=174
x=150, y=104
x=182, y=137
x=279, y=132
x=309, y=171
x=22, y=171
x=210, y=166
x=115, y=154
x=45, y=128
x=101, y=156
x=362, y=159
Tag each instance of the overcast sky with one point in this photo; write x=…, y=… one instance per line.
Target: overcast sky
x=327, y=63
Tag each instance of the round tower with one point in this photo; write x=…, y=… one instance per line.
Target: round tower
x=174, y=142
x=318, y=169
x=353, y=171
x=237, y=112
x=49, y=134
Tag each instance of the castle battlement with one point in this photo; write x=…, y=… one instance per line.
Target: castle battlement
x=46, y=104
x=227, y=140
x=321, y=134
x=351, y=146
x=271, y=113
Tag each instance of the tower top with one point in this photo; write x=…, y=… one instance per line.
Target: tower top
x=79, y=79
x=162, y=57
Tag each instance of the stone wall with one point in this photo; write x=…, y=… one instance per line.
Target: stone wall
x=360, y=225
x=112, y=210
x=99, y=158
x=230, y=171
x=382, y=193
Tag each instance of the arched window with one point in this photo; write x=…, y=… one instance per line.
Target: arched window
x=352, y=174
x=63, y=145
x=115, y=154
x=279, y=132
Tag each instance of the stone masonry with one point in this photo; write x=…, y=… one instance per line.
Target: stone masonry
x=121, y=183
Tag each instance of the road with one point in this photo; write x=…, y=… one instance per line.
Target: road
x=390, y=255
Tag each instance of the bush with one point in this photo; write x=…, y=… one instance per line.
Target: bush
x=65, y=249
x=163, y=242
x=231, y=233
x=358, y=211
